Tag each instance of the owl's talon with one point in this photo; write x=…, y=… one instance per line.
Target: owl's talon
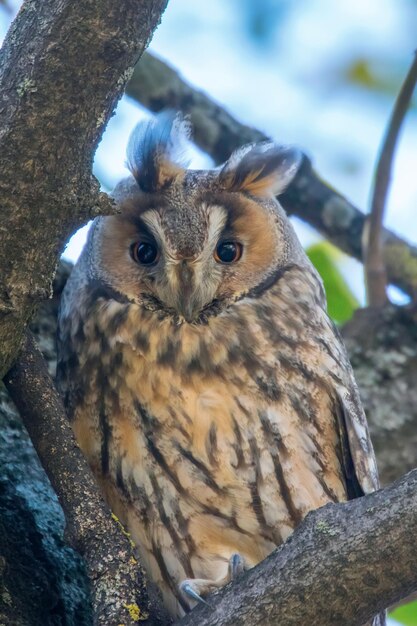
x=187, y=588
x=236, y=566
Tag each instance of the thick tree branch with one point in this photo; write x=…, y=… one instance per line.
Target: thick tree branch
x=117, y=581
x=342, y=565
x=375, y=271
x=157, y=86
x=53, y=110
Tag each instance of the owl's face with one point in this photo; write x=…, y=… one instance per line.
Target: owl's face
x=191, y=243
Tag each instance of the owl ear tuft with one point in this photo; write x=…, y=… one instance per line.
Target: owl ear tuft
x=155, y=150
x=262, y=169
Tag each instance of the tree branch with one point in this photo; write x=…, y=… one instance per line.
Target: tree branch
x=157, y=86
x=54, y=110
x=375, y=271
x=342, y=565
x=117, y=580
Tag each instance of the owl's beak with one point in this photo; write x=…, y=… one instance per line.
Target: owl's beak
x=188, y=303
x=187, y=310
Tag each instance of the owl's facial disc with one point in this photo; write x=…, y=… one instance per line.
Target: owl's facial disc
x=191, y=255
x=183, y=261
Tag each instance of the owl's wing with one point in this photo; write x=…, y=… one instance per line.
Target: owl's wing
x=357, y=452
x=358, y=455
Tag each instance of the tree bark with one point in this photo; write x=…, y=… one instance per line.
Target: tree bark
x=157, y=86
x=53, y=109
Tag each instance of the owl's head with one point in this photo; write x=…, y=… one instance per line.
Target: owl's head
x=193, y=242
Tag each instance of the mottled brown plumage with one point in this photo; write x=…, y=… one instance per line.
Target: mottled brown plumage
x=214, y=400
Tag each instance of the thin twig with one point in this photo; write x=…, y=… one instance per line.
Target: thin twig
x=375, y=270
x=117, y=581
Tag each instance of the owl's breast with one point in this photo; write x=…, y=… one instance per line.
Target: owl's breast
x=217, y=414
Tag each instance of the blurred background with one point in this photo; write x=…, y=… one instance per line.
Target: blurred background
x=316, y=73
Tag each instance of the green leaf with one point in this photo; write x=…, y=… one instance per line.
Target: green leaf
x=406, y=614
x=341, y=303
x=361, y=72
x=382, y=76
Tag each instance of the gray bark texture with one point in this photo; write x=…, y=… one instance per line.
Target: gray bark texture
x=382, y=346
x=157, y=86
x=63, y=66
x=43, y=582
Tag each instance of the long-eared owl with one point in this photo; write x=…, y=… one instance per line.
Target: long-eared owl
x=205, y=382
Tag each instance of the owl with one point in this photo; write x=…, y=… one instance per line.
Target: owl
x=204, y=380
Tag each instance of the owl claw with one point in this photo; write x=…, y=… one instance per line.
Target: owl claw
x=193, y=587
x=236, y=566
x=187, y=588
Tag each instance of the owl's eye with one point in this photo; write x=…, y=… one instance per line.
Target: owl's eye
x=144, y=253
x=228, y=251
